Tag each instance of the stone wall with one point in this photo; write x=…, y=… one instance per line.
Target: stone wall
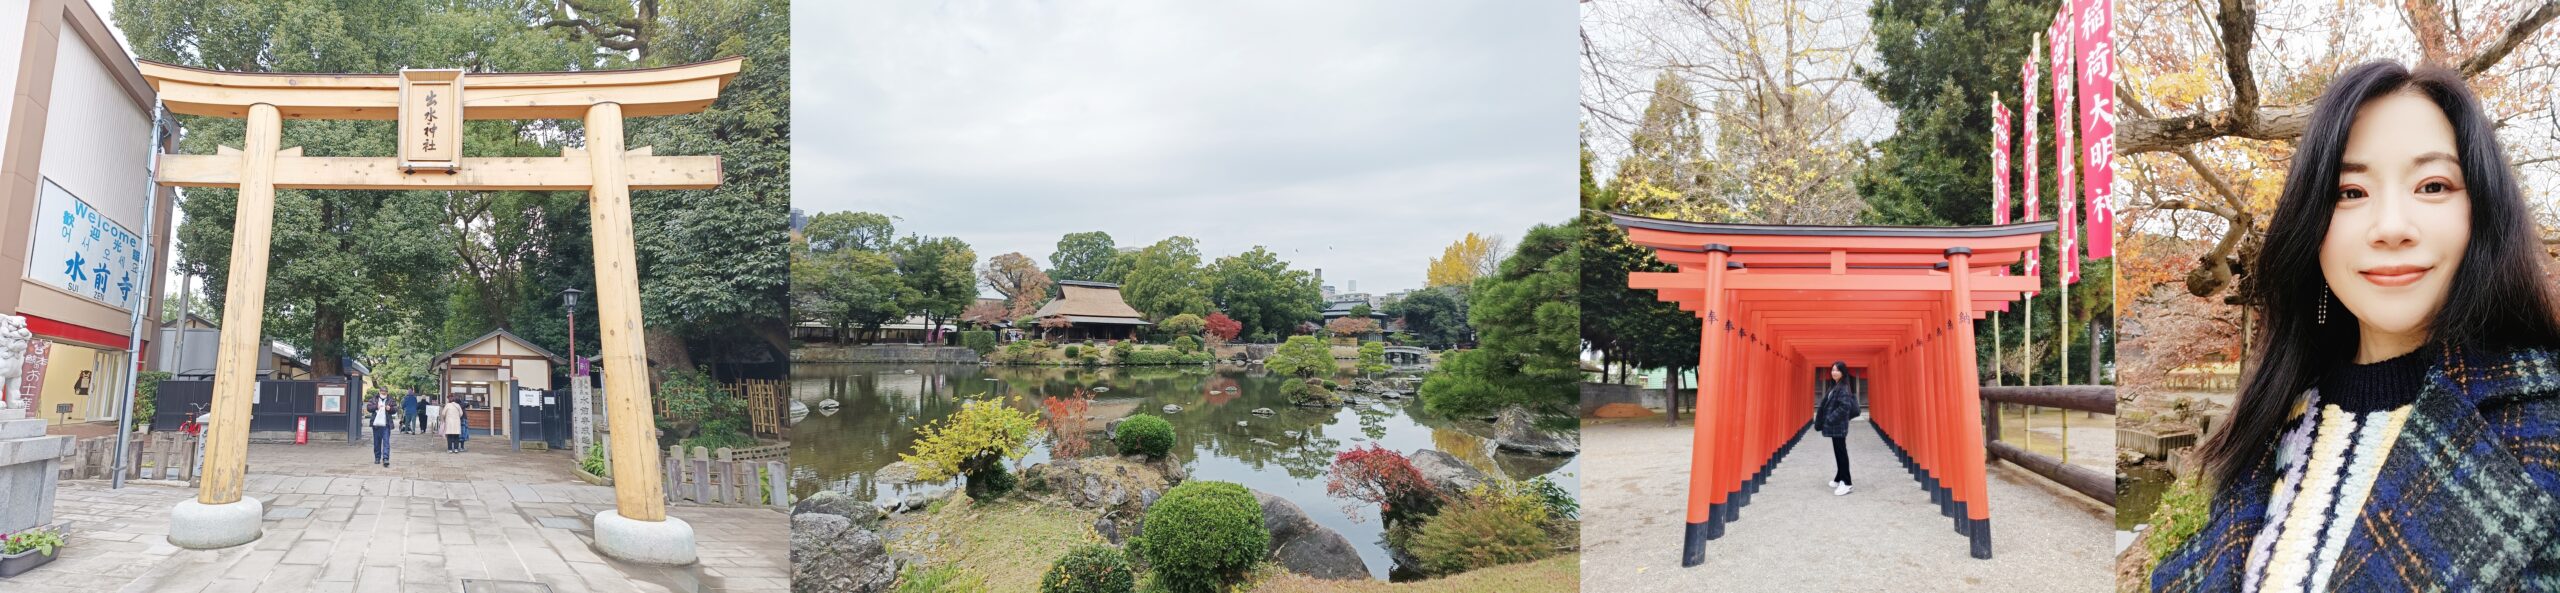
x=895, y=353
x=1595, y=395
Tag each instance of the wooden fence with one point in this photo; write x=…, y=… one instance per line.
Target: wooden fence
x=701, y=479
x=764, y=404
x=157, y=456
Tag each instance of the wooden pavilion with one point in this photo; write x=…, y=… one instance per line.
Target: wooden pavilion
x=1091, y=311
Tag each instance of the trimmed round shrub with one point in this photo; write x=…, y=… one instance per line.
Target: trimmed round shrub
x=1202, y=536
x=1475, y=535
x=1186, y=344
x=1144, y=434
x=1090, y=568
x=991, y=482
x=1074, y=351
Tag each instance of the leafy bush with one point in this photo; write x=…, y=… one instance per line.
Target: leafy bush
x=1186, y=344
x=1202, y=536
x=1301, y=356
x=1559, y=501
x=979, y=341
x=146, y=388
x=592, y=461
x=1222, y=327
x=1458, y=387
x=1024, y=351
x=1373, y=358
x=1144, y=434
x=2183, y=510
x=1065, y=419
x=1308, y=392
x=1120, y=350
x=1475, y=534
x=1182, y=325
x=1192, y=358
x=1074, y=351
x=701, y=412
x=974, y=442
x=1090, y=568
x=1380, y=476
x=1153, y=356
x=43, y=541
x=1515, y=500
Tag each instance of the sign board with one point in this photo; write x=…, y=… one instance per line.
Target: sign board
x=332, y=404
x=529, y=397
x=478, y=361
x=76, y=248
x=430, y=120
x=582, y=423
x=302, y=430
x=578, y=366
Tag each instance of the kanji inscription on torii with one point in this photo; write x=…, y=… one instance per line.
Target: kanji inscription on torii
x=430, y=120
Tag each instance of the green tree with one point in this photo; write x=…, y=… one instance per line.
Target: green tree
x=1262, y=294
x=1181, y=325
x=1084, y=256
x=1436, y=317
x=1528, y=323
x=865, y=231
x=1302, y=357
x=1373, y=358
x=940, y=273
x=1930, y=67
x=1166, y=280
x=847, y=289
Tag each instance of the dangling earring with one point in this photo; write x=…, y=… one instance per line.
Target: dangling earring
x=2324, y=305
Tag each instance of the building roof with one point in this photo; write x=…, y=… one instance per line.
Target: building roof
x=519, y=340
x=1089, y=300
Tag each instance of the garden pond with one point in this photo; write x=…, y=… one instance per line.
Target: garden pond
x=878, y=408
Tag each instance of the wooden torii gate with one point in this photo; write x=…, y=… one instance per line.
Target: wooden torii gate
x=1780, y=303
x=430, y=106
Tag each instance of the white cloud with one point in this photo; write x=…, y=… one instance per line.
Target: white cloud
x=1355, y=137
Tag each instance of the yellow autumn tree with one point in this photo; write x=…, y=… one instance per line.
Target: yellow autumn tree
x=1471, y=256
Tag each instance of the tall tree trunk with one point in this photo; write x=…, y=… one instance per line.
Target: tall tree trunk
x=328, y=342
x=665, y=352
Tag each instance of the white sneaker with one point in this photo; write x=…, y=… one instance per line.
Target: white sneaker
x=1835, y=484
x=1840, y=490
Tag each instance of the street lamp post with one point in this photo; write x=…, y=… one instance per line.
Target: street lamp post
x=569, y=302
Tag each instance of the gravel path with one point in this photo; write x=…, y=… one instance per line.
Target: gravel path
x=1796, y=536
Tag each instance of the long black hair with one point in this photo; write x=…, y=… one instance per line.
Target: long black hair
x=2497, y=299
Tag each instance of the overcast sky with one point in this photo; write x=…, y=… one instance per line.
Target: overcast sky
x=1355, y=137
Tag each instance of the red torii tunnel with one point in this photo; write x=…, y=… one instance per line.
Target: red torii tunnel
x=1779, y=302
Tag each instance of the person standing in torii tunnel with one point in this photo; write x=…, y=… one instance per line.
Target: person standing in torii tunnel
x=1839, y=405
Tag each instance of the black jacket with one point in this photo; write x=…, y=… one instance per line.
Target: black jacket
x=1838, y=406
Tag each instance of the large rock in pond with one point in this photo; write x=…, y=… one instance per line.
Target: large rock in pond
x=830, y=502
x=1446, y=472
x=1514, y=430
x=1103, y=483
x=829, y=554
x=1304, y=547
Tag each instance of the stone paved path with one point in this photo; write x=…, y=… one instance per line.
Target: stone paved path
x=1796, y=536
x=426, y=524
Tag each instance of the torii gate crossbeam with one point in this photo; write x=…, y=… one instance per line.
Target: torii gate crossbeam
x=1777, y=301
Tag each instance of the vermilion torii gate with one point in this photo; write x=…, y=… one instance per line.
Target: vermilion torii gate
x=1780, y=302
x=430, y=106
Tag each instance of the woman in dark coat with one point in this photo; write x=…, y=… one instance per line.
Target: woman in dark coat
x=1831, y=416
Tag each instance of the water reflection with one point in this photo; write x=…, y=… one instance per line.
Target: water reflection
x=1218, y=436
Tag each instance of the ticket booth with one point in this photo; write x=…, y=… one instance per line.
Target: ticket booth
x=486, y=373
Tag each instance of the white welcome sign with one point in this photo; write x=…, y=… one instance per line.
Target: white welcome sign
x=78, y=249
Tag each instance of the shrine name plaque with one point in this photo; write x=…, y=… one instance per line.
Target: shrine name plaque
x=430, y=120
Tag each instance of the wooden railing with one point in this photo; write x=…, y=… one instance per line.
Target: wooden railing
x=155, y=456
x=2083, y=398
x=700, y=479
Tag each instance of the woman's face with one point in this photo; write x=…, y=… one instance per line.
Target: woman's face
x=1835, y=373
x=2403, y=216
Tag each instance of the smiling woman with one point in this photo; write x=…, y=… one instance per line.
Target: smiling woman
x=2404, y=398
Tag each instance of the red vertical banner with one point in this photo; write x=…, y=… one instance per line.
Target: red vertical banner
x=2096, y=48
x=1999, y=161
x=2027, y=73
x=2059, y=35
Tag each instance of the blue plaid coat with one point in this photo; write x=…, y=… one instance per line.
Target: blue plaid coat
x=2468, y=501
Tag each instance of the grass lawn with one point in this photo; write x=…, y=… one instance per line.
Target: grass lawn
x=1007, y=545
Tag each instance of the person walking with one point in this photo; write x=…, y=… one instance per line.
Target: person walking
x=379, y=413
x=412, y=420
x=1831, y=416
x=451, y=421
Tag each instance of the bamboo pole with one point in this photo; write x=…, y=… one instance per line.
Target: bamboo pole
x=235, y=380
x=635, y=464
